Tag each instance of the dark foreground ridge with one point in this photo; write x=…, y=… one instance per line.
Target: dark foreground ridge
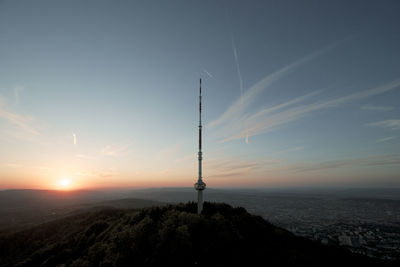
x=168, y=236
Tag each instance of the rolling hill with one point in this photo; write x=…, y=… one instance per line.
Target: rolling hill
x=171, y=235
x=23, y=209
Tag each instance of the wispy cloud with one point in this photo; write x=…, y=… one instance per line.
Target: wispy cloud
x=291, y=149
x=268, y=119
x=229, y=168
x=169, y=152
x=107, y=174
x=378, y=160
x=116, y=149
x=14, y=165
x=23, y=122
x=208, y=74
x=235, y=55
x=83, y=156
x=191, y=157
x=390, y=124
x=239, y=106
x=385, y=139
x=98, y=173
x=269, y=110
x=377, y=108
x=239, y=73
x=17, y=90
x=224, y=168
x=74, y=138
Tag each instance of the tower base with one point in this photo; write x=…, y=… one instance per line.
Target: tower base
x=199, y=201
x=200, y=186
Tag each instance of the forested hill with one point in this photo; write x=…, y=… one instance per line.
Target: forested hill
x=168, y=236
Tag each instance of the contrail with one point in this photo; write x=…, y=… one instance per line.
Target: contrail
x=263, y=121
x=209, y=74
x=239, y=106
x=239, y=73
x=17, y=90
x=235, y=54
x=74, y=136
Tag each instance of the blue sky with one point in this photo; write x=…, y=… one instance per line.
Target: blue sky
x=296, y=93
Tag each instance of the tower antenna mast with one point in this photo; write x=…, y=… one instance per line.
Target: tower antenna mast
x=200, y=185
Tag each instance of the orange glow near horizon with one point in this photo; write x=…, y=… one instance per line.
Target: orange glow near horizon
x=69, y=179
x=65, y=183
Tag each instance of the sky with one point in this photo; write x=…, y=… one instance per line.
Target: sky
x=104, y=94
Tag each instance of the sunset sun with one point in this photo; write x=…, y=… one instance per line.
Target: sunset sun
x=64, y=183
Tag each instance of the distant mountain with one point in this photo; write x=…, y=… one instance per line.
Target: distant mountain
x=171, y=235
x=21, y=209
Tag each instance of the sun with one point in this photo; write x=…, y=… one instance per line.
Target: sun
x=64, y=182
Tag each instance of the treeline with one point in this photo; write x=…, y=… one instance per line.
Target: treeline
x=168, y=236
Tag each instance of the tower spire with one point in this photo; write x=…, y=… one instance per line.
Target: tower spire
x=200, y=185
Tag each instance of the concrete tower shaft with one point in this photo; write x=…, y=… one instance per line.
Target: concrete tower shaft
x=200, y=185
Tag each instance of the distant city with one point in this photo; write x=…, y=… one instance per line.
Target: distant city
x=366, y=226
x=364, y=221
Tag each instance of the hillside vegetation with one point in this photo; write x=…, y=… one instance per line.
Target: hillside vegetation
x=171, y=235
x=23, y=209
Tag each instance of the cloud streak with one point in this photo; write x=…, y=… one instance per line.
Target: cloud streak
x=83, y=156
x=388, y=124
x=269, y=119
x=239, y=106
x=239, y=73
x=114, y=150
x=385, y=139
x=235, y=54
x=377, y=108
x=208, y=74
x=224, y=168
x=98, y=173
x=14, y=165
x=378, y=160
x=23, y=122
x=17, y=90
x=291, y=149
